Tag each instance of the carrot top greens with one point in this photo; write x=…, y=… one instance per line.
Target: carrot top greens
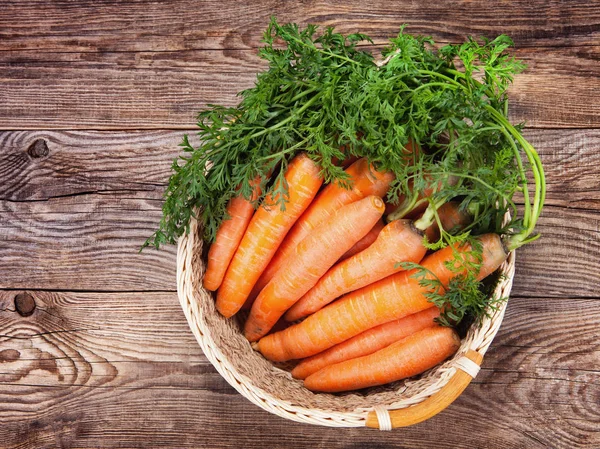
x=322, y=93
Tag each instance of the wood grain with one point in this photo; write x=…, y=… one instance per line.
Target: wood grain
x=564, y=262
x=106, y=358
x=84, y=242
x=76, y=218
x=572, y=165
x=551, y=93
x=91, y=69
x=99, y=26
x=83, y=368
x=87, y=162
x=91, y=242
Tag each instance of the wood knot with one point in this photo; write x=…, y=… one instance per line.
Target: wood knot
x=24, y=304
x=38, y=149
x=9, y=355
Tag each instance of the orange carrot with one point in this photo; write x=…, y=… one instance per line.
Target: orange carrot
x=265, y=232
x=229, y=235
x=398, y=242
x=365, y=181
x=451, y=217
x=367, y=342
x=389, y=299
x=310, y=260
x=405, y=358
x=365, y=242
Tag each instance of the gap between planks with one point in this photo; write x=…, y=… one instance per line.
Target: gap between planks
x=108, y=292
x=583, y=127
x=379, y=45
x=71, y=290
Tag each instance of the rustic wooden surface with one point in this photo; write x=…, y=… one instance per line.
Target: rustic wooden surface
x=94, y=98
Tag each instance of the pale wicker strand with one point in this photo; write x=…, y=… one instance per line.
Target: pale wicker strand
x=468, y=366
x=383, y=418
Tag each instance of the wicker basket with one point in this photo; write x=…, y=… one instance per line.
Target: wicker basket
x=273, y=388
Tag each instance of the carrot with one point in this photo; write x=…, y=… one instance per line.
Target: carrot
x=367, y=342
x=265, y=232
x=451, y=217
x=398, y=242
x=365, y=181
x=365, y=242
x=389, y=299
x=310, y=260
x=229, y=235
x=405, y=358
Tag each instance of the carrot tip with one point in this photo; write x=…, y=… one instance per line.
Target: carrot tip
x=378, y=202
x=226, y=312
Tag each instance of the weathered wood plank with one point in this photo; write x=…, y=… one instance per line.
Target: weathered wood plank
x=77, y=173
x=166, y=90
x=75, y=218
x=91, y=242
x=77, y=162
x=572, y=166
x=552, y=92
x=84, y=242
x=134, y=89
x=85, y=363
x=119, y=91
x=564, y=262
x=97, y=26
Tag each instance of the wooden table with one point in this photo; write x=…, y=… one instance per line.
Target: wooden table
x=94, y=349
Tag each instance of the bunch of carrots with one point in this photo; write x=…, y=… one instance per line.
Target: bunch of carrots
x=355, y=208
x=330, y=272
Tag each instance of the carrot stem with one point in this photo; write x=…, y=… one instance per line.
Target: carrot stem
x=429, y=216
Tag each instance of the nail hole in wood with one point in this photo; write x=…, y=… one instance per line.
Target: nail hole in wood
x=38, y=149
x=24, y=304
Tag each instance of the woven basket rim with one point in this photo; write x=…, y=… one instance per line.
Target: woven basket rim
x=190, y=268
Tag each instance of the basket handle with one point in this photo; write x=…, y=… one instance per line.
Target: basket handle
x=433, y=404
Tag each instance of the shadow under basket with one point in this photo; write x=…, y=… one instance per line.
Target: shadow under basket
x=272, y=387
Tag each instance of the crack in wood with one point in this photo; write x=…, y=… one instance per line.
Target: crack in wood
x=82, y=193
x=67, y=290
x=532, y=436
x=42, y=334
x=226, y=390
x=254, y=48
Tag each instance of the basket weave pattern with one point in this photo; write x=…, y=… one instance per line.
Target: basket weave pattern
x=273, y=388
